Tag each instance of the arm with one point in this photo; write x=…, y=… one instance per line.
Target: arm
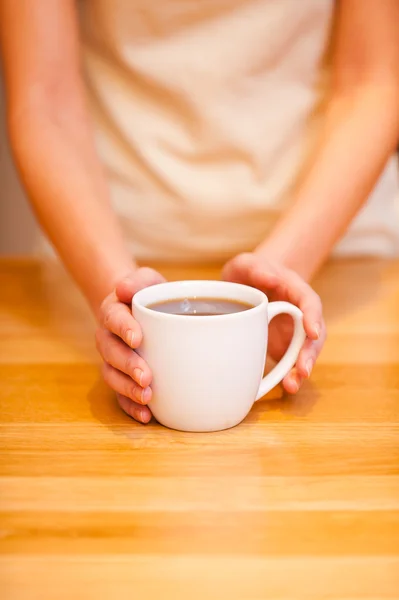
x=361, y=131
x=53, y=147
x=52, y=142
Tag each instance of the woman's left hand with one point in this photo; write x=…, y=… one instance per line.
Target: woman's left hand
x=280, y=283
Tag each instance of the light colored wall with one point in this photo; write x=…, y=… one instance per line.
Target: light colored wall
x=18, y=230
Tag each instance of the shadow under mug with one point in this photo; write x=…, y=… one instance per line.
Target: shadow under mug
x=207, y=370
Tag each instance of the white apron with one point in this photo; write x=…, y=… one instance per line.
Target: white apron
x=205, y=113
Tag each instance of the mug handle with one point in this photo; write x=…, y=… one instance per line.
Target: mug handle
x=283, y=367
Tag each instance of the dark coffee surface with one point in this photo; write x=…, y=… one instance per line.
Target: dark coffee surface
x=200, y=307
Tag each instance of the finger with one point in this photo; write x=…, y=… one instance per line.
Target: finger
x=234, y=269
x=137, y=412
x=135, y=282
x=118, y=319
x=265, y=276
x=307, y=358
x=309, y=353
x=123, y=384
x=298, y=292
x=117, y=354
x=262, y=277
x=293, y=381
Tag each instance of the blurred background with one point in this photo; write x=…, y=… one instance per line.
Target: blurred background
x=17, y=226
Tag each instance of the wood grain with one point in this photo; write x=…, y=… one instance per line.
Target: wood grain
x=301, y=501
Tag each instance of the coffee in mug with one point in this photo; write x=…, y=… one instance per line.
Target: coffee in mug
x=200, y=307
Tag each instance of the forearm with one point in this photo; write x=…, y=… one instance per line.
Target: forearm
x=360, y=133
x=64, y=182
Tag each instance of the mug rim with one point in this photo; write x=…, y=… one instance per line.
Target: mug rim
x=137, y=301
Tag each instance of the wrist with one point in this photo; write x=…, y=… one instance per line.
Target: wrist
x=106, y=282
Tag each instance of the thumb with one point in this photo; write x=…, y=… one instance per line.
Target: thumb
x=136, y=281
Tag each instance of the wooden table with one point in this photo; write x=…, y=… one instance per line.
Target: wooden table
x=301, y=501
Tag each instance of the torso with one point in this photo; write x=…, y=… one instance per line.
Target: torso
x=205, y=111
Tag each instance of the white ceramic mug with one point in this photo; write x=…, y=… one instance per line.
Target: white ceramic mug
x=207, y=370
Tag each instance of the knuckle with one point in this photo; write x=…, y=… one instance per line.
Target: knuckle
x=317, y=299
x=311, y=300
x=101, y=345
x=129, y=363
x=105, y=306
x=104, y=346
x=130, y=388
x=106, y=355
x=106, y=372
x=108, y=316
x=311, y=297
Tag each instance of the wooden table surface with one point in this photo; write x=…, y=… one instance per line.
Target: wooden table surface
x=301, y=501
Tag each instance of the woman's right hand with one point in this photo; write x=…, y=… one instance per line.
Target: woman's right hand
x=117, y=338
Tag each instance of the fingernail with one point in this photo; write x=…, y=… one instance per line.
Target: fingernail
x=316, y=330
x=143, y=416
x=130, y=337
x=138, y=376
x=294, y=387
x=141, y=395
x=146, y=394
x=309, y=367
x=138, y=394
